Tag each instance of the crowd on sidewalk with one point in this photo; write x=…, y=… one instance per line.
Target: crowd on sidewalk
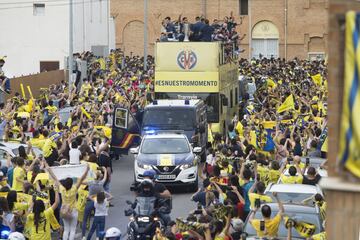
x=37, y=198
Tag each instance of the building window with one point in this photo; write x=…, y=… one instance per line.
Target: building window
x=231, y=99
x=244, y=7
x=39, y=9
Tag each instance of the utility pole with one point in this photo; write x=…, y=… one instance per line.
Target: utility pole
x=250, y=29
x=70, y=58
x=145, y=33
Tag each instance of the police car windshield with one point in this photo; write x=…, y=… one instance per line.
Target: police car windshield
x=170, y=118
x=165, y=145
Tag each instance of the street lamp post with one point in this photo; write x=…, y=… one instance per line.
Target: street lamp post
x=145, y=33
x=250, y=28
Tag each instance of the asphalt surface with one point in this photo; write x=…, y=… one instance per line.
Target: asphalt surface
x=122, y=178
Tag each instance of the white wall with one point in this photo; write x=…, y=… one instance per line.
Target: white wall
x=28, y=39
x=90, y=24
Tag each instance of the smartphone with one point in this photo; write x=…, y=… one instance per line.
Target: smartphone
x=257, y=203
x=307, y=161
x=262, y=225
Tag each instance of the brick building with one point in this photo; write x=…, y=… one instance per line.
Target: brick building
x=284, y=28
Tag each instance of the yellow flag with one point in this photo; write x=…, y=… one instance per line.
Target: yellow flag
x=271, y=83
x=210, y=136
x=106, y=130
x=269, y=124
x=215, y=127
x=322, y=108
x=349, y=138
x=253, y=138
x=324, y=147
x=317, y=79
x=85, y=112
x=288, y=104
x=102, y=63
x=30, y=92
x=22, y=90
x=239, y=128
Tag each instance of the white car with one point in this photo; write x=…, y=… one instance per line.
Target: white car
x=12, y=149
x=292, y=193
x=171, y=156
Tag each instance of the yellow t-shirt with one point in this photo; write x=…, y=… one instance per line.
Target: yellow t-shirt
x=93, y=166
x=51, y=109
x=273, y=176
x=301, y=165
x=47, y=147
x=271, y=226
x=18, y=173
x=69, y=197
x=43, y=231
x=263, y=172
x=263, y=198
x=291, y=179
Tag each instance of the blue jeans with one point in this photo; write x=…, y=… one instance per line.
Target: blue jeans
x=99, y=226
x=88, y=208
x=107, y=187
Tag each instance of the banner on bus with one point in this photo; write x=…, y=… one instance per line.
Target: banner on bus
x=187, y=57
x=186, y=82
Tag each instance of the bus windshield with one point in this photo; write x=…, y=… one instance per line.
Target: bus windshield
x=169, y=118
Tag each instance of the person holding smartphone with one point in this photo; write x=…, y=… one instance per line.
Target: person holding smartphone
x=267, y=226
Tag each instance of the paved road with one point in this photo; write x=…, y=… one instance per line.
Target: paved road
x=120, y=188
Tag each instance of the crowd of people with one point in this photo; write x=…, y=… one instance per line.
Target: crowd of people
x=282, y=117
x=38, y=203
x=201, y=30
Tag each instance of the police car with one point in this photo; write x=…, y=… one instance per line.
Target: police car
x=170, y=155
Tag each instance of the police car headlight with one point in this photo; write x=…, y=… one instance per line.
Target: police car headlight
x=144, y=166
x=186, y=166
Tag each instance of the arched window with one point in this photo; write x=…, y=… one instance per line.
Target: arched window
x=265, y=40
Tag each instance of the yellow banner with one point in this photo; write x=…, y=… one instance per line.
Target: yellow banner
x=187, y=56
